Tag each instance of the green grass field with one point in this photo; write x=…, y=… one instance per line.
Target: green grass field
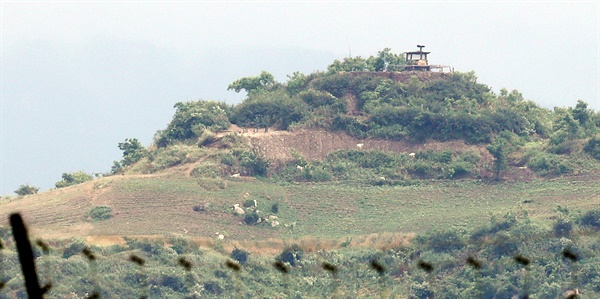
x=157, y=205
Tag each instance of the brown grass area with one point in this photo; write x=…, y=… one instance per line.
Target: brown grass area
x=105, y=240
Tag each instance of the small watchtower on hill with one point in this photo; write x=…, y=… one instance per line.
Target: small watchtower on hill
x=417, y=60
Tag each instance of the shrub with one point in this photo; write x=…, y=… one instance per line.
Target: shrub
x=316, y=98
x=445, y=241
x=591, y=219
x=205, y=170
x=228, y=159
x=275, y=208
x=73, y=178
x=291, y=255
x=253, y=162
x=133, y=151
x=504, y=245
x=266, y=109
x=26, y=190
x=549, y=164
x=201, y=208
x=206, y=138
x=562, y=228
x=175, y=155
x=213, y=287
x=251, y=218
x=73, y=249
x=182, y=245
x=248, y=203
x=593, y=147
x=99, y=213
x=240, y=255
x=316, y=174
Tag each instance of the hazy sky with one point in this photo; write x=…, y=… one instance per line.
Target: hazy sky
x=77, y=78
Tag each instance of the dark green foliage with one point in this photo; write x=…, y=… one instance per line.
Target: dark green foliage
x=251, y=218
x=183, y=245
x=503, y=245
x=26, y=190
x=498, y=149
x=133, y=151
x=562, y=228
x=73, y=178
x=116, y=167
x=145, y=245
x=252, y=162
x=350, y=125
x=270, y=109
x=213, y=287
x=253, y=84
x=176, y=283
x=296, y=83
x=581, y=113
x=240, y=255
x=312, y=173
x=73, y=249
x=275, y=208
x=593, y=147
x=291, y=255
x=549, y=164
x=461, y=85
x=248, y=203
x=99, y=213
x=591, y=219
x=315, y=99
x=444, y=241
x=191, y=119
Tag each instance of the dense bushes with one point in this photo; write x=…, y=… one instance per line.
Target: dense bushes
x=269, y=109
x=73, y=178
x=591, y=219
x=549, y=164
x=240, y=255
x=191, y=119
x=384, y=168
x=593, y=147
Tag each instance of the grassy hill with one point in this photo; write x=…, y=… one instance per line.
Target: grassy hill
x=358, y=144
x=354, y=166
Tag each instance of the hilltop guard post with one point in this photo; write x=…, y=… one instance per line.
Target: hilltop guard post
x=417, y=61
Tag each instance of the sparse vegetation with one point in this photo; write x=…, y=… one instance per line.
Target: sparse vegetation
x=99, y=213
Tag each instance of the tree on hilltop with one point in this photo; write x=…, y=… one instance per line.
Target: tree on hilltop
x=253, y=84
x=26, y=190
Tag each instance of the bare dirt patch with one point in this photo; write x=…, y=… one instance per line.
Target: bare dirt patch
x=315, y=145
x=105, y=240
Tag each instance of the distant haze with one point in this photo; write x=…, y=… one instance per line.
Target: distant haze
x=77, y=78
